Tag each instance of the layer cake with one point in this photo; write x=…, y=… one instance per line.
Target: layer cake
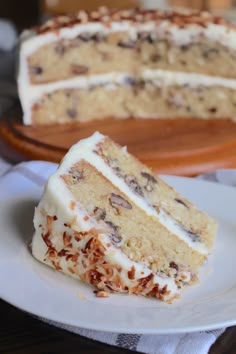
x=106, y=219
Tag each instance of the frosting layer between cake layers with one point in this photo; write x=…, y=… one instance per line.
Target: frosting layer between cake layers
x=35, y=96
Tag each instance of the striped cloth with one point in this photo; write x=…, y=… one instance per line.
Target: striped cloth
x=37, y=172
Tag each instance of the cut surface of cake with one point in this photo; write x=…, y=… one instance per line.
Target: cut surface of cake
x=130, y=63
x=107, y=220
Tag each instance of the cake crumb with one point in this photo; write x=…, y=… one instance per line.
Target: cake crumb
x=101, y=293
x=72, y=205
x=81, y=296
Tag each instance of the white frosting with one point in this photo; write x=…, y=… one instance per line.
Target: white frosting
x=165, y=77
x=30, y=94
x=188, y=34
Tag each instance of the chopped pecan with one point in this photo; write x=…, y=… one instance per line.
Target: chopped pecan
x=76, y=174
x=207, y=52
x=46, y=238
x=88, y=244
x=133, y=184
x=66, y=239
x=62, y=252
x=98, y=37
x=212, y=110
x=72, y=205
x=129, y=81
x=156, y=57
x=37, y=70
x=174, y=265
x=151, y=181
x=85, y=36
x=180, y=201
x=72, y=113
x=184, y=47
x=77, y=69
x=131, y=273
x=143, y=281
x=71, y=270
x=164, y=290
x=193, y=236
x=100, y=214
x=101, y=293
x=60, y=49
x=56, y=265
x=118, y=201
x=115, y=236
x=130, y=44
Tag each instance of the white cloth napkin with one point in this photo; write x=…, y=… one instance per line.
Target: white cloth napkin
x=8, y=35
x=8, y=40
x=37, y=172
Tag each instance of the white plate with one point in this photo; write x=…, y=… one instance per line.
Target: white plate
x=33, y=287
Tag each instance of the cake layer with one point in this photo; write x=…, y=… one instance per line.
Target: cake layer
x=132, y=40
x=158, y=94
x=126, y=221
x=117, y=226
x=199, y=229
x=100, y=53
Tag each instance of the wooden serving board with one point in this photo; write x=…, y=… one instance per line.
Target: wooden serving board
x=170, y=146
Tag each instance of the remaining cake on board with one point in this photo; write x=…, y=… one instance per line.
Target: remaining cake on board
x=128, y=63
x=106, y=219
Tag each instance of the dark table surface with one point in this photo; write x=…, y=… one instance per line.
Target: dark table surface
x=21, y=333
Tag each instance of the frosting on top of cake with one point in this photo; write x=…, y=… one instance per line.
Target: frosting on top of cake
x=179, y=28
x=135, y=16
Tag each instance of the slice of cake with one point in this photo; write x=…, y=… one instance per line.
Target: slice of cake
x=106, y=219
x=130, y=63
